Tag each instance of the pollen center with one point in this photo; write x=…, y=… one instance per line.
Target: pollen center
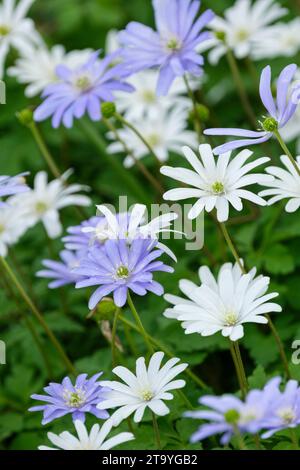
x=147, y=395
x=242, y=35
x=287, y=415
x=74, y=399
x=218, y=187
x=149, y=96
x=270, y=124
x=122, y=272
x=230, y=319
x=83, y=83
x=173, y=45
x=4, y=30
x=153, y=139
x=2, y=228
x=41, y=207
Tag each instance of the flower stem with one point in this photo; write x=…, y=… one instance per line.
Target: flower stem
x=153, y=181
x=139, y=323
x=113, y=338
x=197, y=123
x=240, y=87
x=168, y=353
x=231, y=246
x=38, y=315
x=237, y=369
x=156, y=431
x=44, y=150
x=286, y=151
x=126, y=123
x=294, y=439
x=240, y=440
x=126, y=177
x=241, y=365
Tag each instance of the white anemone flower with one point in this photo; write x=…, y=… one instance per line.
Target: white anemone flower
x=144, y=103
x=216, y=184
x=45, y=200
x=166, y=133
x=132, y=225
x=243, y=24
x=37, y=66
x=223, y=304
x=95, y=440
x=286, y=184
x=16, y=31
x=13, y=224
x=147, y=388
x=281, y=40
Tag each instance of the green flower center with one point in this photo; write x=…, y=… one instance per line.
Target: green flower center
x=122, y=272
x=83, y=83
x=41, y=207
x=242, y=35
x=153, y=140
x=4, y=30
x=173, y=45
x=269, y=124
x=147, y=395
x=2, y=228
x=218, y=187
x=149, y=96
x=232, y=416
x=75, y=399
x=230, y=319
x=287, y=415
x=221, y=35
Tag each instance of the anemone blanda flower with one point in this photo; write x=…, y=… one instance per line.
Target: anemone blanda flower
x=66, y=398
x=245, y=24
x=13, y=224
x=118, y=268
x=284, y=412
x=16, y=31
x=81, y=237
x=62, y=272
x=285, y=184
x=281, y=40
x=81, y=90
x=10, y=185
x=45, y=200
x=223, y=304
x=130, y=225
x=95, y=440
x=172, y=48
x=37, y=67
x=228, y=412
x=216, y=184
x=279, y=112
x=149, y=387
x=165, y=133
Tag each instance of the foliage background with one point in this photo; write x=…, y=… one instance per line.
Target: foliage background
x=270, y=241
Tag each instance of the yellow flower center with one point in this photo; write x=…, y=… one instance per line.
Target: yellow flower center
x=149, y=96
x=74, y=399
x=218, y=188
x=41, y=207
x=122, y=272
x=153, y=140
x=4, y=30
x=286, y=414
x=2, y=228
x=230, y=319
x=147, y=395
x=83, y=83
x=173, y=45
x=242, y=35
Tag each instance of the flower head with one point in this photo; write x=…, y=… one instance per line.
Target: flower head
x=13, y=224
x=285, y=184
x=62, y=272
x=66, y=398
x=16, y=31
x=81, y=90
x=10, y=185
x=118, y=268
x=172, y=48
x=216, y=184
x=95, y=440
x=149, y=387
x=281, y=40
x=45, y=200
x=279, y=112
x=81, y=238
x=223, y=304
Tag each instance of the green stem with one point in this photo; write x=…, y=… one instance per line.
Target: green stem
x=129, y=340
x=139, y=323
x=38, y=316
x=241, y=365
x=286, y=151
x=44, y=150
x=129, y=423
x=125, y=176
x=153, y=181
x=126, y=123
x=237, y=369
x=231, y=246
x=156, y=431
x=240, y=440
x=240, y=87
x=294, y=439
x=197, y=123
x=113, y=338
x=168, y=353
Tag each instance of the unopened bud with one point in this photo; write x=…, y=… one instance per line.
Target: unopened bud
x=25, y=116
x=108, y=109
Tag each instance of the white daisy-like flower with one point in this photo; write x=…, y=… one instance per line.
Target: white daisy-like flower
x=147, y=388
x=281, y=40
x=285, y=184
x=45, y=200
x=112, y=42
x=216, y=182
x=130, y=226
x=166, y=133
x=95, y=440
x=16, y=30
x=144, y=103
x=243, y=24
x=13, y=224
x=223, y=304
x=37, y=66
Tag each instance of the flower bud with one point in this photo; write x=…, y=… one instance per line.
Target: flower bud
x=105, y=309
x=221, y=35
x=108, y=109
x=232, y=416
x=270, y=124
x=25, y=116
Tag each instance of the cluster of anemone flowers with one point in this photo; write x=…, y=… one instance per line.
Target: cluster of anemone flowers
x=145, y=90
